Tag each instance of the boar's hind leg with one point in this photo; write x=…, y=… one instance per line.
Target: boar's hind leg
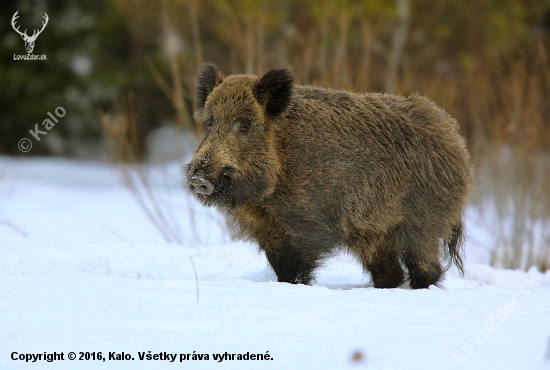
x=291, y=264
x=380, y=259
x=421, y=257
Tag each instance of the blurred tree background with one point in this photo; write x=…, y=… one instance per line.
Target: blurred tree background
x=485, y=61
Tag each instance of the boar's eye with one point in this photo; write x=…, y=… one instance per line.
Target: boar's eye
x=209, y=124
x=243, y=128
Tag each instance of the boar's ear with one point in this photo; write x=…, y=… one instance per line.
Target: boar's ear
x=273, y=91
x=208, y=78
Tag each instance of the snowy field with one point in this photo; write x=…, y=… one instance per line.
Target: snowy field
x=83, y=269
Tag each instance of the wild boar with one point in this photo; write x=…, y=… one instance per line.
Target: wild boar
x=306, y=172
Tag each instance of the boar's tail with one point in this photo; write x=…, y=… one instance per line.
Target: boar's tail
x=454, y=247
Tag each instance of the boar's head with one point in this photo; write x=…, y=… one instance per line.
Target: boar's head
x=237, y=162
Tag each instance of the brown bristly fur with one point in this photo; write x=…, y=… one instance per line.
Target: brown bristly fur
x=306, y=171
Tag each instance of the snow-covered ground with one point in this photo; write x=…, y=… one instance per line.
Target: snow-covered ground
x=83, y=269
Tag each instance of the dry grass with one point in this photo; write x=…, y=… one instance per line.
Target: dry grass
x=121, y=133
x=510, y=137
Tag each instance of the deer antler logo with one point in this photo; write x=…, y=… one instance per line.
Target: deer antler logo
x=29, y=40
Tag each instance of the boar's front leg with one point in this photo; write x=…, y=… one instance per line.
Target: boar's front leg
x=291, y=263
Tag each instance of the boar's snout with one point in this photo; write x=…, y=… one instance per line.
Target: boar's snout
x=210, y=180
x=198, y=185
x=197, y=175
